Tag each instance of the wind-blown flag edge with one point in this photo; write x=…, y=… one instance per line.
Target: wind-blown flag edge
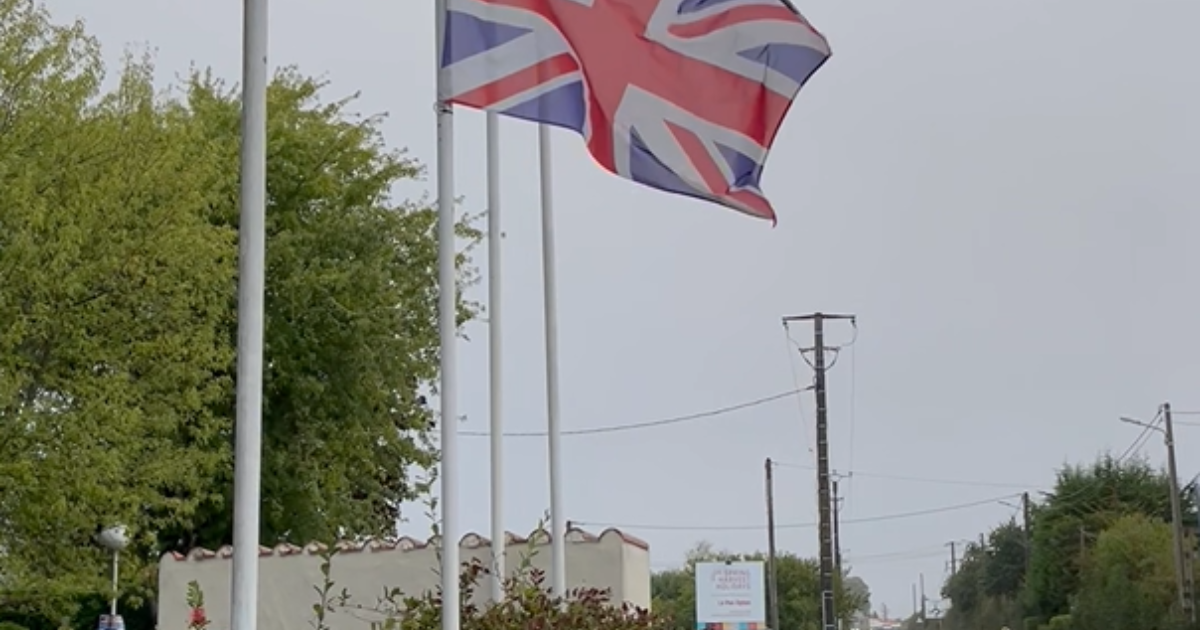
x=530, y=59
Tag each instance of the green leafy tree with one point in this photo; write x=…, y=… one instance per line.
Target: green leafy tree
x=994, y=586
x=112, y=315
x=674, y=596
x=351, y=329
x=1086, y=500
x=1004, y=571
x=964, y=588
x=118, y=245
x=984, y=592
x=674, y=592
x=858, y=591
x=1128, y=579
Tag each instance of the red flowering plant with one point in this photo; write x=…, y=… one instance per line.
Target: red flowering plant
x=528, y=605
x=196, y=620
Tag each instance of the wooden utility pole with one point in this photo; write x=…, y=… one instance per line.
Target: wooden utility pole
x=824, y=500
x=772, y=572
x=837, y=538
x=1183, y=581
x=1026, y=530
x=923, y=617
x=953, y=558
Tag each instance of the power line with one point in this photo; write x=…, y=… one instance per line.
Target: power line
x=1134, y=446
x=1140, y=440
x=790, y=344
x=911, y=554
x=867, y=519
x=650, y=424
x=950, y=482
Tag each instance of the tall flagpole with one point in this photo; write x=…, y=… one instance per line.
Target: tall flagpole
x=252, y=246
x=558, y=521
x=495, y=362
x=447, y=329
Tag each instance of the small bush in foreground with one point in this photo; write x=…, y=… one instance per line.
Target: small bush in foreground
x=528, y=605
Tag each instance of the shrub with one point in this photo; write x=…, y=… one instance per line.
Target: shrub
x=528, y=605
x=1061, y=622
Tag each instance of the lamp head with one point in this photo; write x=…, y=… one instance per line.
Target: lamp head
x=113, y=538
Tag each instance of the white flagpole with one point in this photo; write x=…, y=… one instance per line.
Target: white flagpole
x=252, y=246
x=495, y=362
x=558, y=522
x=447, y=329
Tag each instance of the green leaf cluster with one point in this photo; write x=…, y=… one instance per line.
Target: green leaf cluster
x=118, y=318
x=1097, y=556
x=1128, y=581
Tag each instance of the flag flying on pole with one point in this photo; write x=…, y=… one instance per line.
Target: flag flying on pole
x=684, y=96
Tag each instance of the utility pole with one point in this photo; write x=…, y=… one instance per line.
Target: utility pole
x=1026, y=529
x=824, y=503
x=837, y=538
x=923, y=617
x=1182, y=579
x=772, y=575
x=953, y=558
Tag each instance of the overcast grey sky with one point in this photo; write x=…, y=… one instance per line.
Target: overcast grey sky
x=1003, y=191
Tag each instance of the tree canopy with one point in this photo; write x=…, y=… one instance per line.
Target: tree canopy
x=118, y=252
x=674, y=591
x=1097, y=556
x=1129, y=579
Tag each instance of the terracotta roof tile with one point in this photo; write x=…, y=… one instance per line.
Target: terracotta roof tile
x=405, y=543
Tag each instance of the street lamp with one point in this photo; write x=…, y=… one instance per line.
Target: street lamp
x=1183, y=577
x=114, y=539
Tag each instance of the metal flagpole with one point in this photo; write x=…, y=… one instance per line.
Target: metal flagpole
x=247, y=472
x=495, y=361
x=447, y=329
x=558, y=521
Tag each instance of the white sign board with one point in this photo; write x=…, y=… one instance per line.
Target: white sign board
x=730, y=593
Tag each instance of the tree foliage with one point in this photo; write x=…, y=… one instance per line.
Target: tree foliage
x=118, y=327
x=112, y=313
x=1083, y=540
x=1086, y=501
x=351, y=328
x=1128, y=580
x=987, y=585
x=674, y=592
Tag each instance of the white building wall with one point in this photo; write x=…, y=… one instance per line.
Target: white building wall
x=288, y=575
x=635, y=562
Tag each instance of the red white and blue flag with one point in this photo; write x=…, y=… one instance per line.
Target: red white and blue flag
x=682, y=95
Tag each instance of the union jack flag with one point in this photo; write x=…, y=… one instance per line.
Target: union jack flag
x=682, y=95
